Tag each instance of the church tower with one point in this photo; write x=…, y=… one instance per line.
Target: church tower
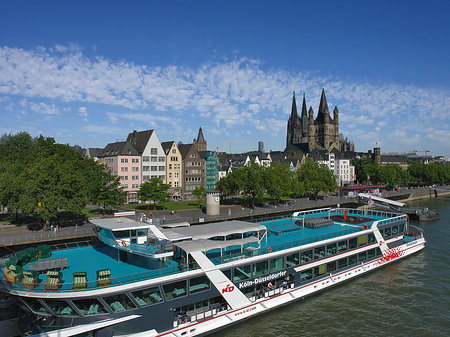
x=200, y=143
x=305, y=130
x=294, y=126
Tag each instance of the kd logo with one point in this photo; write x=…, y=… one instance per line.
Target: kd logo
x=228, y=289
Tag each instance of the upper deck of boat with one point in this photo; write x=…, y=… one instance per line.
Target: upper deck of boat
x=281, y=234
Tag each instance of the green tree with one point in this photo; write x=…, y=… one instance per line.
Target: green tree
x=277, y=180
x=154, y=190
x=200, y=194
x=366, y=170
x=250, y=178
x=316, y=177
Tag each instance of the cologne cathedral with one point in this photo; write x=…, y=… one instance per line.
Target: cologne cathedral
x=307, y=134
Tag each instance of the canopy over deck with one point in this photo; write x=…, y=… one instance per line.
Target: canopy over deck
x=203, y=245
x=119, y=224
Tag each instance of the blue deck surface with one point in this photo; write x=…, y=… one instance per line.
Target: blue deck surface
x=282, y=234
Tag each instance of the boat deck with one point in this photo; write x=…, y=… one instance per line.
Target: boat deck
x=282, y=234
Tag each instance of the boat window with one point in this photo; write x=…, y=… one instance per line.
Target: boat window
x=378, y=251
x=276, y=264
x=306, y=275
x=320, y=270
x=233, y=236
x=331, y=266
x=35, y=305
x=242, y=273
x=342, y=246
x=198, y=284
x=175, y=290
x=119, y=302
x=395, y=230
x=342, y=263
x=306, y=256
x=90, y=306
x=382, y=232
x=353, y=243
x=142, y=232
x=148, y=296
x=60, y=308
x=362, y=240
x=319, y=253
x=401, y=228
x=362, y=256
x=122, y=234
x=387, y=232
x=292, y=260
x=352, y=260
x=371, y=237
x=260, y=268
x=331, y=249
x=227, y=273
x=371, y=254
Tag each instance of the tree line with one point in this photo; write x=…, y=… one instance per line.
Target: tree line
x=277, y=181
x=40, y=178
x=369, y=171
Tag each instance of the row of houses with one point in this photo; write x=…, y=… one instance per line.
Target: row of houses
x=186, y=167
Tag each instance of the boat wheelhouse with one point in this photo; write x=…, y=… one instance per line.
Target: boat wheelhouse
x=146, y=280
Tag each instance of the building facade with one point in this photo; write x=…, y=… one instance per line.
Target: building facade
x=147, y=144
x=174, y=170
x=192, y=166
x=124, y=161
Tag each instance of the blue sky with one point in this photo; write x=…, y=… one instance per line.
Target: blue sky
x=90, y=72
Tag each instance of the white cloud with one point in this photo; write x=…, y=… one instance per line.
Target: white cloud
x=45, y=109
x=82, y=111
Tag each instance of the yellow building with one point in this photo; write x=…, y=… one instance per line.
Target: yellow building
x=174, y=173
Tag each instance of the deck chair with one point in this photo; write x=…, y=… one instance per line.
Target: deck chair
x=30, y=279
x=13, y=273
x=103, y=277
x=53, y=281
x=79, y=280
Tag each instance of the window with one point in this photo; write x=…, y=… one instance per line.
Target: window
x=148, y=296
x=306, y=275
x=135, y=160
x=61, y=308
x=362, y=256
x=175, y=290
x=35, y=305
x=153, y=150
x=198, y=284
x=119, y=302
x=146, y=158
x=260, y=268
x=331, y=266
x=276, y=264
x=331, y=249
x=371, y=254
x=292, y=260
x=173, y=158
x=242, y=273
x=306, y=256
x=146, y=168
x=90, y=306
x=154, y=168
x=162, y=168
x=135, y=186
x=176, y=184
x=387, y=232
x=135, y=169
x=174, y=150
x=170, y=175
x=353, y=243
x=124, y=160
x=362, y=240
x=124, y=169
x=154, y=159
x=319, y=253
x=319, y=270
x=395, y=230
x=123, y=177
x=161, y=159
x=352, y=260
x=371, y=237
x=170, y=166
x=124, y=185
x=134, y=177
x=342, y=263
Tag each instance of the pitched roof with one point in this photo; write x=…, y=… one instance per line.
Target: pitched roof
x=200, y=138
x=119, y=149
x=323, y=108
x=167, y=146
x=184, y=149
x=139, y=139
x=294, y=107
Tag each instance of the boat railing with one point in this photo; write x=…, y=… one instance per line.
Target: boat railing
x=115, y=281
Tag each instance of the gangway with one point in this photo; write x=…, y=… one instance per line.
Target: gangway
x=372, y=200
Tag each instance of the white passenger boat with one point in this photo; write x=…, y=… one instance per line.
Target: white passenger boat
x=141, y=279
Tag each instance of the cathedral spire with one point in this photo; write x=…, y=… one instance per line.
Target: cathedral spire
x=294, y=107
x=323, y=108
x=304, y=112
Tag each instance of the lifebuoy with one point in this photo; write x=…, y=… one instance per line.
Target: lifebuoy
x=269, y=249
x=124, y=244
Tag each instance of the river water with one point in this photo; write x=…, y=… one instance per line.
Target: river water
x=410, y=297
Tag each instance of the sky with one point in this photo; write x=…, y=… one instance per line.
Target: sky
x=90, y=72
